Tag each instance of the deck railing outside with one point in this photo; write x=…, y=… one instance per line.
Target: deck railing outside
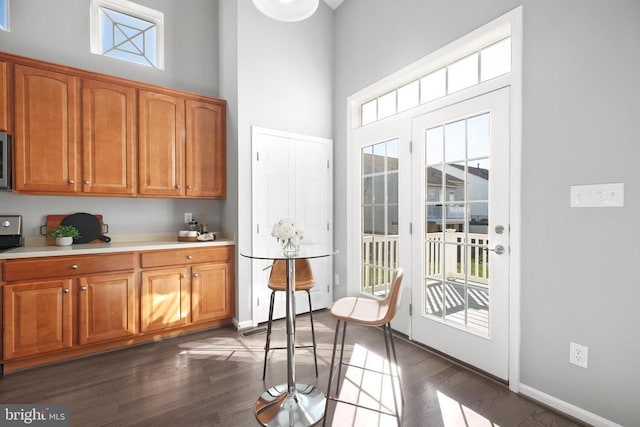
x=380, y=258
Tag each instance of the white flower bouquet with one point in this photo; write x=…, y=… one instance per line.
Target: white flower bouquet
x=288, y=233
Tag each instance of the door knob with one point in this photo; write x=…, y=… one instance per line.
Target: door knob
x=499, y=249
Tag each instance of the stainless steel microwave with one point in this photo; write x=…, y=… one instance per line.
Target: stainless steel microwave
x=5, y=161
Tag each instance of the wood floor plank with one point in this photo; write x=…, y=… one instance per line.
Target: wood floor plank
x=213, y=378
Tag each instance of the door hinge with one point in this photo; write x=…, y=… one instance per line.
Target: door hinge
x=410, y=309
x=410, y=147
x=410, y=228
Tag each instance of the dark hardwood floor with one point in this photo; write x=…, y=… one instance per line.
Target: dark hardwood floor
x=214, y=378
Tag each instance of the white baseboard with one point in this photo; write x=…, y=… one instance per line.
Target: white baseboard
x=566, y=407
x=242, y=325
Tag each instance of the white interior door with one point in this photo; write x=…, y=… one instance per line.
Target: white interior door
x=460, y=246
x=292, y=178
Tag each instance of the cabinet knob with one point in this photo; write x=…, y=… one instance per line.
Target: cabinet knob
x=65, y=290
x=72, y=181
x=189, y=187
x=178, y=186
x=189, y=257
x=74, y=266
x=83, y=288
x=87, y=182
x=196, y=275
x=184, y=276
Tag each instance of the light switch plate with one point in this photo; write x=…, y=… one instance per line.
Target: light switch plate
x=597, y=195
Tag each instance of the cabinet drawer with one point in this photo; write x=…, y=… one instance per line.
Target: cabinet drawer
x=186, y=256
x=38, y=268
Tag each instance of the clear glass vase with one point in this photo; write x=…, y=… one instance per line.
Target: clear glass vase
x=289, y=248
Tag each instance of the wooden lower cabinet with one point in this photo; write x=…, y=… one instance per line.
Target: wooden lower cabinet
x=211, y=295
x=55, y=308
x=164, y=299
x=37, y=317
x=172, y=297
x=107, y=307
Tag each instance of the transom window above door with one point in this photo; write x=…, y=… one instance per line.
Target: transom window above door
x=484, y=64
x=127, y=31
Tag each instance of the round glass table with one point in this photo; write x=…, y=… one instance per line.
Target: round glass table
x=290, y=404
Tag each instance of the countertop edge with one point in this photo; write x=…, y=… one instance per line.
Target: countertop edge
x=104, y=248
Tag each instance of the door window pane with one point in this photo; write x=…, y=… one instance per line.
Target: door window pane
x=456, y=209
x=380, y=214
x=435, y=146
x=454, y=141
x=478, y=136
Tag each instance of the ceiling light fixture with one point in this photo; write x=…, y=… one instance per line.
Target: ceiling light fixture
x=287, y=10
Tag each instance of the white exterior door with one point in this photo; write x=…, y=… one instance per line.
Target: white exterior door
x=460, y=239
x=292, y=178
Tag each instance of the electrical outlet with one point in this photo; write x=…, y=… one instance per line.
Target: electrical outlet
x=578, y=354
x=188, y=217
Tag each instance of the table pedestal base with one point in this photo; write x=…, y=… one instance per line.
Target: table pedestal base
x=276, y=407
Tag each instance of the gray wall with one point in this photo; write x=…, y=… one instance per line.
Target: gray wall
x=58, y=31
x=581, y=104
x=284, y=81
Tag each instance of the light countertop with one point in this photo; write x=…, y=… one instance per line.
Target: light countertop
x=37, y=247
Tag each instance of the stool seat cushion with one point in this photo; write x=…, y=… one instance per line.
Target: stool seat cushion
x=277, y=286
x=364, y=311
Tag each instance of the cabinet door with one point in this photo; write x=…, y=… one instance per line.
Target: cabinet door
x=37, y=317
x=107, y=307
x=4, y=97
x=161, y=144
x=205, y=144
x=46, y=131
x=211, y=293
x=108, y=138
x=164, y=299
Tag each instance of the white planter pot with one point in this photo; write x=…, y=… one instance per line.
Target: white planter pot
x=64, y=241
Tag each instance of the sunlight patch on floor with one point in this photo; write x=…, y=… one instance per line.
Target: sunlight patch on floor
x=366, y=388
x=454, y=414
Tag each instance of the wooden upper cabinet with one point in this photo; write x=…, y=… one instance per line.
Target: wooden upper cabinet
x=5, y=97
x=46, y=133
x=206, y=151
x=108, y=138
x=160, y=144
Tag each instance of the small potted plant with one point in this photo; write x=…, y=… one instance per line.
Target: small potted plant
x=64, y=234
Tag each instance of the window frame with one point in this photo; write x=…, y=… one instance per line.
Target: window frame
x=132, y=9
x=6, y=27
